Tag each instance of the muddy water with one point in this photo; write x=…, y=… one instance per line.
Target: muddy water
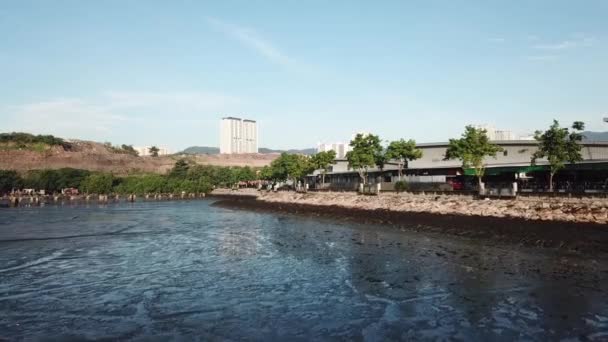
x=187, y=270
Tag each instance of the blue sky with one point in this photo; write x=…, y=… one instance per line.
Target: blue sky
x=164, y=72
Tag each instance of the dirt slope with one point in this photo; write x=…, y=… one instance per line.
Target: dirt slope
x=96, y=157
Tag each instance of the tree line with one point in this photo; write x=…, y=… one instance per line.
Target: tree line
x=23, y=140
x=558, y=145
x=182, y=177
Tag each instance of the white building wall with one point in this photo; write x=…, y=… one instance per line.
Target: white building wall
x=340, y=148
x=238, y=136
x=250, y=137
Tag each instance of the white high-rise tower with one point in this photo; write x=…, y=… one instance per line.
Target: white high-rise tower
x=238, y=136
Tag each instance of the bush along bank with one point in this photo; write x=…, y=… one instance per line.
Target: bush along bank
x=184, y=180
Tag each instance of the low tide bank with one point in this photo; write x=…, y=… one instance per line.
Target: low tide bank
x=574, y=224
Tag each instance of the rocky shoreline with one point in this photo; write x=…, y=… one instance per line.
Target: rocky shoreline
x=577, y=210
x=528, y=222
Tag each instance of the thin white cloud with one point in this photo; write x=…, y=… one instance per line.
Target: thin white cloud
x=532, y=37
x=253, y=40
x=62, y=116
x=575, y=42
x=542, y=58
x=496, y=40
x=96, y=118
x=191, y=100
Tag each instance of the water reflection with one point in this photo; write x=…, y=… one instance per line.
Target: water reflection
x=188, y=270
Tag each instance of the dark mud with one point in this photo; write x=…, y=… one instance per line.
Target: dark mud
x=585, y=238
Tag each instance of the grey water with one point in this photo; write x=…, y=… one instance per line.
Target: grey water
x=193, y=271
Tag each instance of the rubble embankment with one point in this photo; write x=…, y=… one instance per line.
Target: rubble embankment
x=585, y=210
x=570, y=224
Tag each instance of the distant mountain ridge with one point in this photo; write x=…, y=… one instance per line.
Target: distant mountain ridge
x=263, y=150
x=201, y=150
x=595, y=136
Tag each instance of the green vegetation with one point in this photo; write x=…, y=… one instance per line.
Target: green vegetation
x=559, y=145
x=182, y=177
x=291, y=167
x=122, y=149
x=472, y=148
x=9, y=180
x=401, y=186
x=98, y=183
x=366, y=152
x=153, y=151
x=322, y=161
x=28, y=141
x=54, y=180
x=404, y=152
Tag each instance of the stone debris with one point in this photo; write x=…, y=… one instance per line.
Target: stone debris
x=589, y=210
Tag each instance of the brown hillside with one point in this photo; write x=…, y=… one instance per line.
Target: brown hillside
x=96, y=157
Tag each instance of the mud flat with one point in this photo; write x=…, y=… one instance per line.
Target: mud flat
x=568, y=224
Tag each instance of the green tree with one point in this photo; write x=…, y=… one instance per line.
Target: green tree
x=128, y=149
x=70, y=178
x=180, y=169
x=244, y=174
x=559, y=145
x=322, y=161
x=98, y=183
x=223, y=176
x=404, y=152
x=9, y=180
x=472, y=149
x=289, y=167
x=266, y=173
x=366, y=153
x=153, y=151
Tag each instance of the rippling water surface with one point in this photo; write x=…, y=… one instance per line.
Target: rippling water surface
x=188, y=270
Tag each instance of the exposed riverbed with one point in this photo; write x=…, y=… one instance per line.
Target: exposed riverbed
x=191, y=270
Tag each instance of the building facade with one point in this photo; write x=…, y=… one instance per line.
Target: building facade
x=340, y=148
x=513, y=164
x=238, y=136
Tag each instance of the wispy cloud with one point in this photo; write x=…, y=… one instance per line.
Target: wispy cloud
x=253, y=40
x=542, y=58
x=532, y=37
x=63, y=115
x=97, y=117
x=496, y=40
x=190, y=100
x=574, y=42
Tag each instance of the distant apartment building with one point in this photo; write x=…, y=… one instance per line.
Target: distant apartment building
x=145, y=151
x=238, y=136
x=340, y=148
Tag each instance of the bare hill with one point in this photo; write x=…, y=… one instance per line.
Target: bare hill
x=97, y=157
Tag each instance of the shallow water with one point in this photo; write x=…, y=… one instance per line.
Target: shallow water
x=188, y=270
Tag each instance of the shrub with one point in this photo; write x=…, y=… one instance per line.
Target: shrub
x=401, y=186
